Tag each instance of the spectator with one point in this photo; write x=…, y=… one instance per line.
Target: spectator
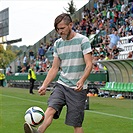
x=130, y=55
x=18, y=65
x=118, y=6
x=114, y=38
x=101, y=67
x=101, y=4
x=41, y=51
x=9, y=70
x=95, y=4
x=104, y=43
x=123, y=7
x=129, y=33
x=108, y=14
x=95, y=68
x=51, y=40
x=37, y=63
x=25, y=60
x=83, y=25
x=95, y=52
x=116, y=14
x=28, y=66
x=83, y=14
x=23, y=69
x=42, y=69
x=31, y=55
x=111, y=3
x=108, y=56
x=115, y=53
x=126, y=2
x=102, y=52
x=104, y=13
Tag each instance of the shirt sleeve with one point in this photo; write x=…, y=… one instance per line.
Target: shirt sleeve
x=86, y=46
x=55, y=49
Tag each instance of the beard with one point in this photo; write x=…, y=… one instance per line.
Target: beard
x=66, y=37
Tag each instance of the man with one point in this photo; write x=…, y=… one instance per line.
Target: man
x=2, y=78
x=41, y=51
x=114, y=38
x=9, y=70
x=31, y=78
x=18, y=63
x=25, y=60
x=115, y=53
x=72, y=53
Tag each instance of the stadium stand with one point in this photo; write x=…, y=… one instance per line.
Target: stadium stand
x=97, y=21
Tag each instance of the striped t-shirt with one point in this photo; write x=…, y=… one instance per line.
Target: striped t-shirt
x=71, y=53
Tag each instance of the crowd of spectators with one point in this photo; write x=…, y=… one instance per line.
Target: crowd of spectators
x=40, y=61
x=110, y=19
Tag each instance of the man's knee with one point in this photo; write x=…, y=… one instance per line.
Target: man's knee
x=50, y=111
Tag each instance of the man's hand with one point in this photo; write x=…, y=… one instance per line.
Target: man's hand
x=79, y=86
x=42, y=90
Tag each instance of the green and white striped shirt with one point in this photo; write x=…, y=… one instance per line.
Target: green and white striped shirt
x=71, y=53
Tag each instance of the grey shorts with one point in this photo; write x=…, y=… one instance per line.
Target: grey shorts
x=74, y=101
x=111, y=45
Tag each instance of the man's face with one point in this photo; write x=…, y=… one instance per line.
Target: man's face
x=115, y=32
x=64, y=30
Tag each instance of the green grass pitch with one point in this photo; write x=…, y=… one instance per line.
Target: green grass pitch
x=106, y=115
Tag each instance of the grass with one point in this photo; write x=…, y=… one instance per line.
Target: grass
x=106, y=115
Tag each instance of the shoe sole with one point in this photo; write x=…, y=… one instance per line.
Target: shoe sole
x=27, y=128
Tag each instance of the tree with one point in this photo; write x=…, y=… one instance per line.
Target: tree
x=71, y=9
x=6, y=56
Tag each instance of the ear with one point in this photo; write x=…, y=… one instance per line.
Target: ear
x=71, y=24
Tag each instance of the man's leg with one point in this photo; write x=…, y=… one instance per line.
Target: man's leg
x=2, y=83
x=31, y=85
x=78, y=130
x=49, y=113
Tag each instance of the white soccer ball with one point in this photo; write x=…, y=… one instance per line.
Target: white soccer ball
x=34, y=116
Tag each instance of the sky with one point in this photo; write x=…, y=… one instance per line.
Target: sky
x=31, y=20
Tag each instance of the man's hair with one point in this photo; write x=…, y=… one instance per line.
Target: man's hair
x=65, y=17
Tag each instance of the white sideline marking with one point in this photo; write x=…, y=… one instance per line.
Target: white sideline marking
x=88, y=110
x=111, y=115
x=24, y=99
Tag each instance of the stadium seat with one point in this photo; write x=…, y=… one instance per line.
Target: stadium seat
x=120, y=87
x=125, y=87
x=128, y=87
x=131, y=87
x=115, y=86
x=106, y=86
x=110, y=86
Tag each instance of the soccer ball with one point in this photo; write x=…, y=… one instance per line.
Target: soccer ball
x=34, y=116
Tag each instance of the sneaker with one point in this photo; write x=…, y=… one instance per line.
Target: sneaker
x=29, y=129
x=32, y=93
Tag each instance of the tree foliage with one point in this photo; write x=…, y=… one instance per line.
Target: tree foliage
x=71, y=9
x=6, y=56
